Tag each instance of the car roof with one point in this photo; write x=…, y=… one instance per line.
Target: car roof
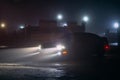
x=86, y=34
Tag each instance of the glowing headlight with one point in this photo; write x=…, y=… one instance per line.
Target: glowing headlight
x=40, y=47
x=60, y=47
x=59, y=53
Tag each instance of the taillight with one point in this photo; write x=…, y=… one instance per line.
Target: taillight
x=106, y=47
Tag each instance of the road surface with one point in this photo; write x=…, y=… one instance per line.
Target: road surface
x=28, y=64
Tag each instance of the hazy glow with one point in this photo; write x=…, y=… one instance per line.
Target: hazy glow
x=65, y=24
x=32, y=54
x=3, y=46
x=59, y=53
x=60, y=47
x=85, y=18
x=116, y=25
x=22, y=27
x=65, y=52
x=23, y=52
x=40, y=47
x=114, y=44
x=15, y=66
x=57, y=64
x=49, y=50
x=2, y=25
x=49, y=56
x=59, y=17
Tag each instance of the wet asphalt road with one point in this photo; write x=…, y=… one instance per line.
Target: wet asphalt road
x=25, y=64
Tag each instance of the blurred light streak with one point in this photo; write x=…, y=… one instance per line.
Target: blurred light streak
x=49, y=50
x=32, y=54
x=114, y=44
x=49, y=56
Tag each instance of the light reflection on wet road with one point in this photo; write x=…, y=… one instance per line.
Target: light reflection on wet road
x=23, y=64
x=24, y=71
x=38, y=71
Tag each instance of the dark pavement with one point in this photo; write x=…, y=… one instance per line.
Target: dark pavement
x=25, y=64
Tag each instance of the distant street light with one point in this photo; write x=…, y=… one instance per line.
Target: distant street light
x=116, y=25
x=22, y=27
x=85, y=18
x=59, y=20
x=59, y=17
x=2, y=25
x=65, y=24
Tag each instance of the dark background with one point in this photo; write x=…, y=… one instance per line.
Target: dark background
x=102, y=13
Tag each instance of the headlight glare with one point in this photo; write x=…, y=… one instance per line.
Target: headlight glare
x=60, y=47
x=40, y=47
x=59, y=53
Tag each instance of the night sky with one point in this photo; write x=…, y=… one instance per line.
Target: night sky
x=102, y=13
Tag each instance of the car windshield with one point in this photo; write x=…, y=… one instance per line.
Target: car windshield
x=59, y=39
